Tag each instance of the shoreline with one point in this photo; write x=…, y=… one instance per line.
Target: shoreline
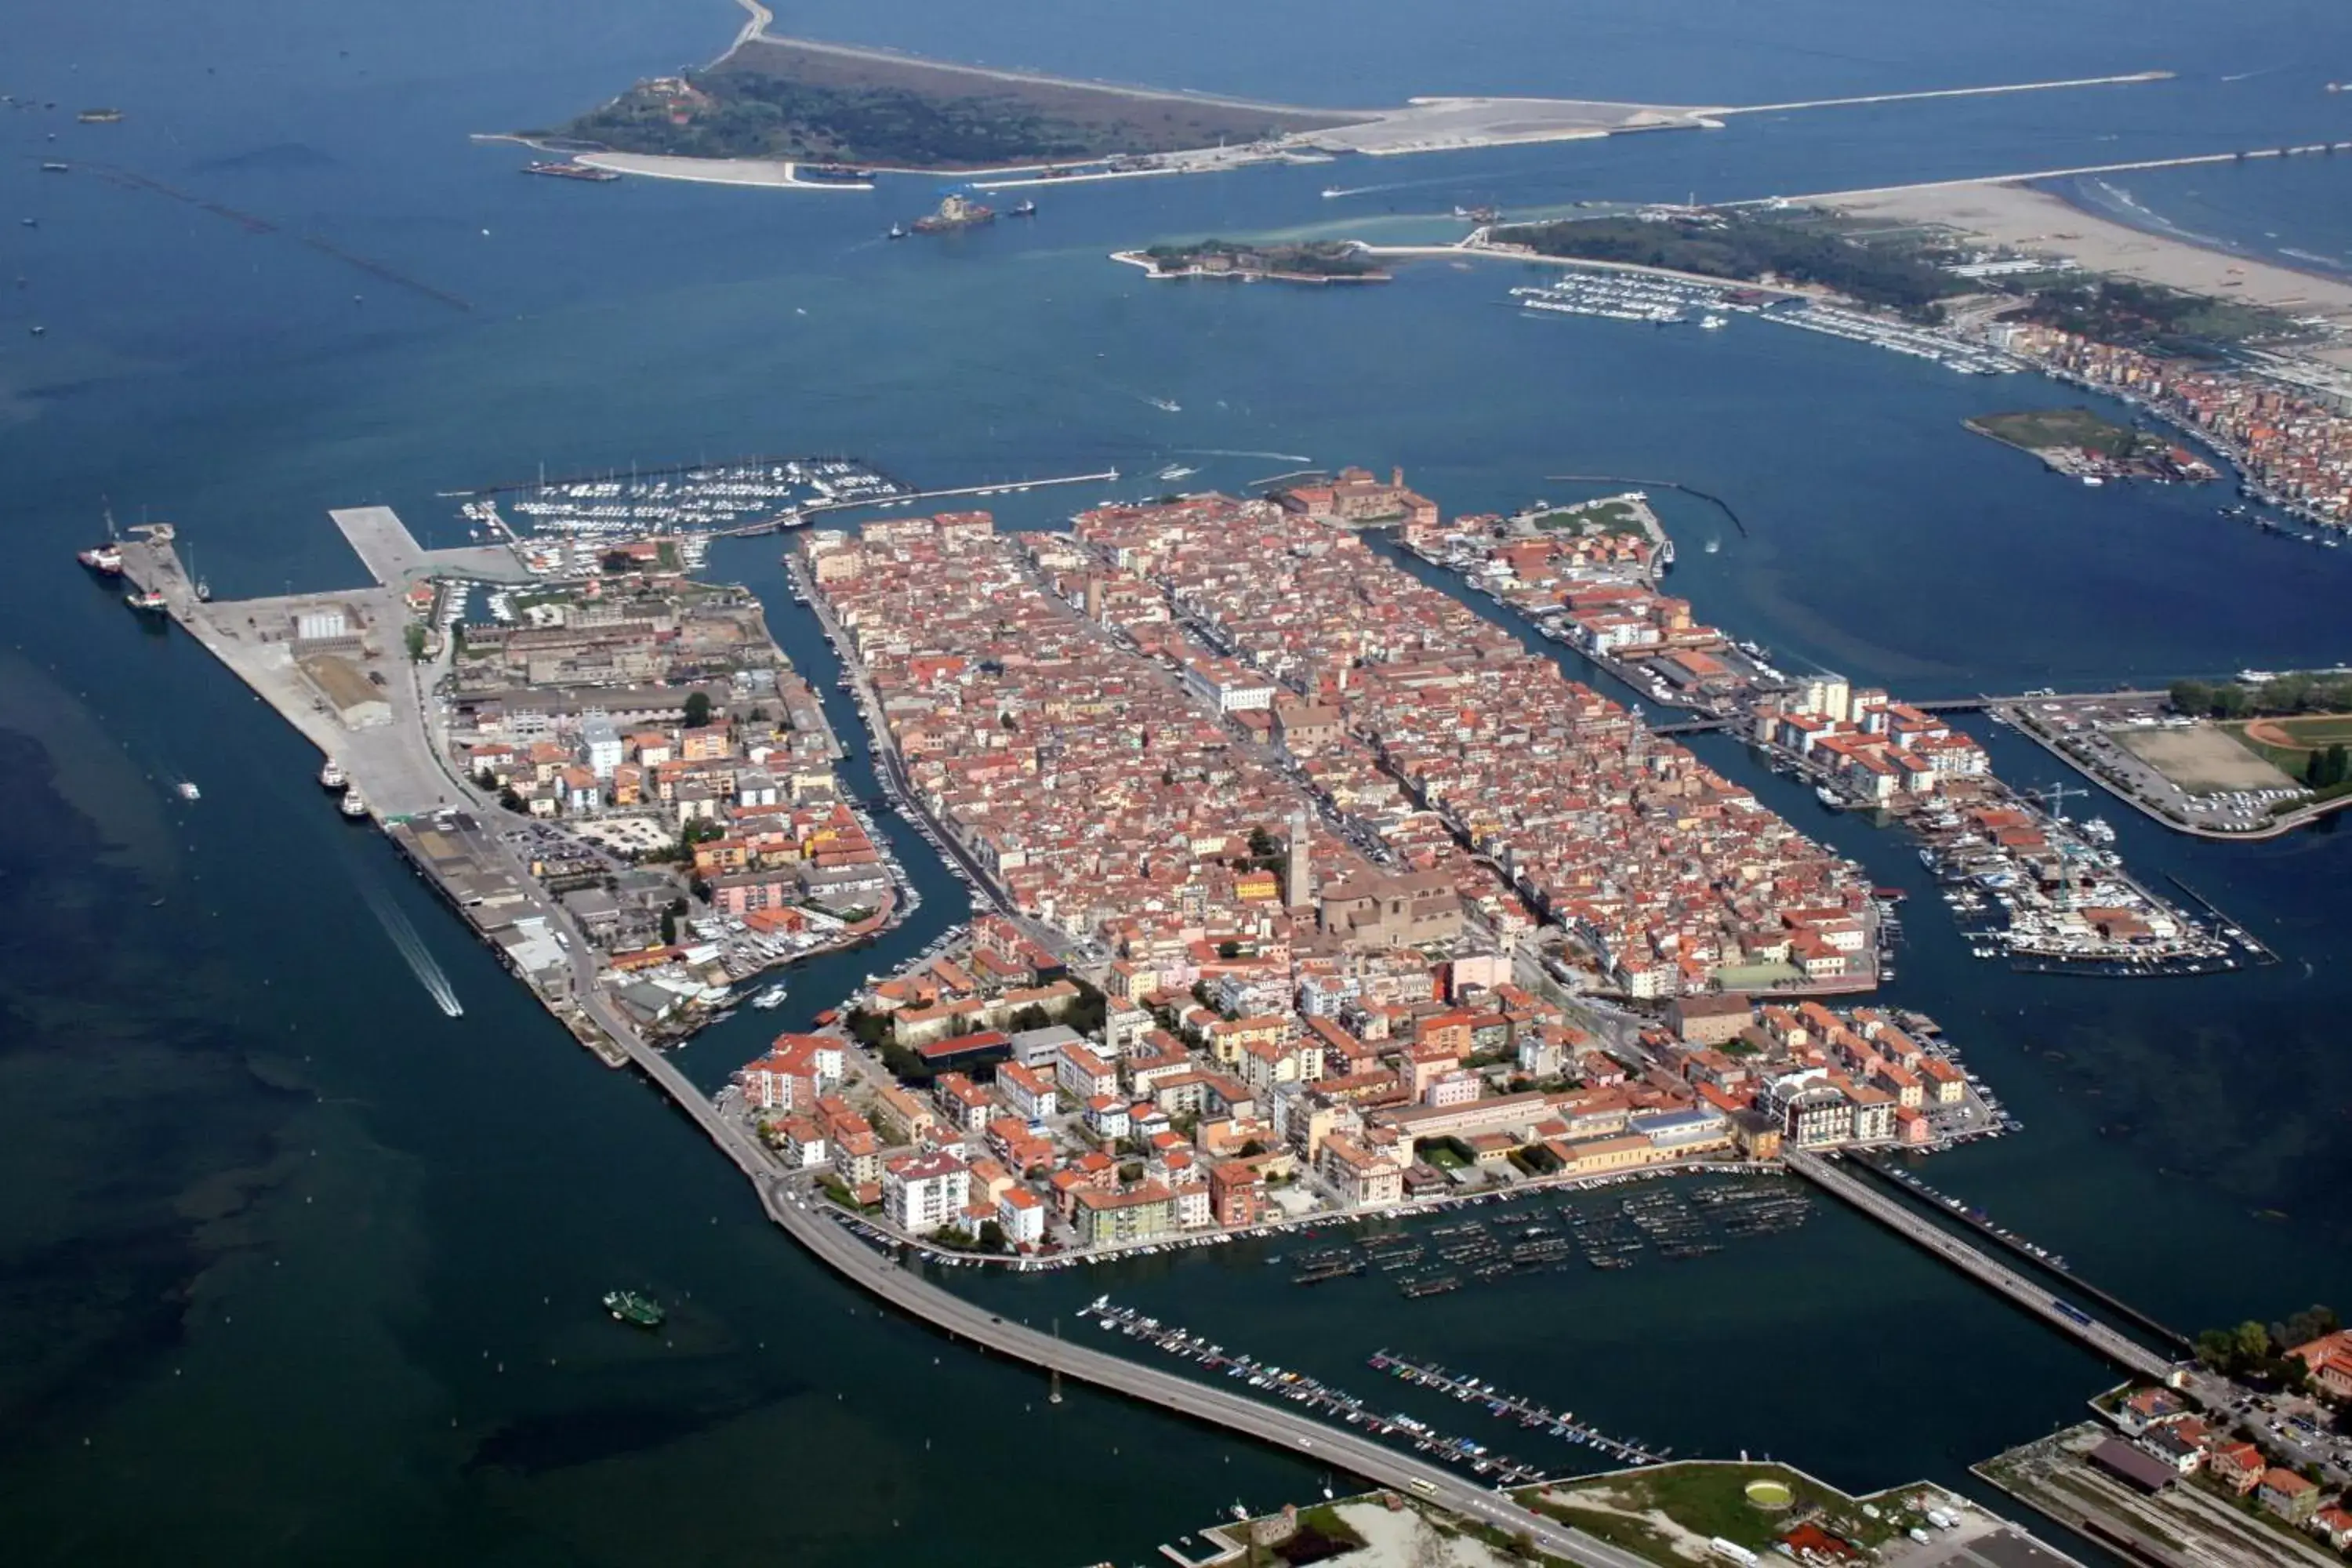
x=2014, y=211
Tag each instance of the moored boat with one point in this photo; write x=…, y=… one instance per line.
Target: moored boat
x=351, y=805
x=331, y=775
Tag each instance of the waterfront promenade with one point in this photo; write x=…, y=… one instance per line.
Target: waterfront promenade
x=2117, y=1347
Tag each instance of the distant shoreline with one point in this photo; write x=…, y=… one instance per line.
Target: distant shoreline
x=1091, y=123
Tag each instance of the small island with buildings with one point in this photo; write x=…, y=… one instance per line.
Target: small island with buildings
x=1306, y=261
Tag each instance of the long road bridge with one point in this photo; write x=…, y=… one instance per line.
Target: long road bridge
x=808, y=1222
x=2009, y=1242
x=1910, y=1224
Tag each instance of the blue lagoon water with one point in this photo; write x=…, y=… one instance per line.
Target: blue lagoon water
x=299, y=1269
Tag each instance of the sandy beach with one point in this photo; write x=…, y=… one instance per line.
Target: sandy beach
x=2047, y=224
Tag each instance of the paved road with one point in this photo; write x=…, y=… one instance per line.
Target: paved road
x=2038, y=1300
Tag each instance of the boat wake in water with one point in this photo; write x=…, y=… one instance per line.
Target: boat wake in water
x=420, y=958
x=1229, y=452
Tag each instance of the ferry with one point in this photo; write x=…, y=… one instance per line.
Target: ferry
x=351, y=805
x=570, y=171
x=99, y=116
x=54, y=168
x=331, y=775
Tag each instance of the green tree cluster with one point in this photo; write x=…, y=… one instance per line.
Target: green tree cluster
x=2285, y=696
x=2261, y=1352
x=1748, y=248
x=2325, y=769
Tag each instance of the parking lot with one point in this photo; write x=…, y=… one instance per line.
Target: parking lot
x=2187, y=769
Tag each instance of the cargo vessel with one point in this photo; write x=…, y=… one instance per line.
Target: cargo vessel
x=832, y=173
x=567, y=171
x=956, y=212
x=638, y=1311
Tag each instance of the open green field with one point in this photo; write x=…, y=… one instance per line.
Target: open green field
x=1603, y=516
x=1708, y=1500
x=2307, y=734
x=2035, y=428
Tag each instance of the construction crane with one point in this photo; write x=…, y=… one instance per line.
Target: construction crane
x=2053, y=798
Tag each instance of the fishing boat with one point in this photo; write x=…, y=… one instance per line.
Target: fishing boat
x=638, y=1311
x=188, y=790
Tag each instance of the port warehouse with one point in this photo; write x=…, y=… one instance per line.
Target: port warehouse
x=492, y=901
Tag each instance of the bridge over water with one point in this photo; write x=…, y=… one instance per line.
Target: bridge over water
x=2036, y=1298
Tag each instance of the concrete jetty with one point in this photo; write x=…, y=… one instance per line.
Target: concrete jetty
x=335, y=664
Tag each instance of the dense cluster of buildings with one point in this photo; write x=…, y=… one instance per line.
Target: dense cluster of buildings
x=1876, y=750
x=1665, y=873
x=1024, y=1115
x=1105, y=798
x=2290, y=444
x=683, y=772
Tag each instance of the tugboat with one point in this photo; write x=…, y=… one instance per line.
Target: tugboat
x=638, y=1311
x=897, y=231
x=352, y=806
x=148, y=601
x=332, y=776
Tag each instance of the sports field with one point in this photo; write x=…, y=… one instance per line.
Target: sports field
x=2206, y=760
x=2308, y=733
